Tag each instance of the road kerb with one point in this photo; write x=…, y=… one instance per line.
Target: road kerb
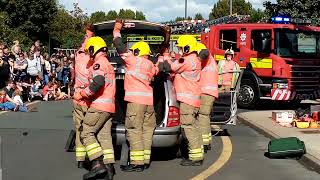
x=308, y=160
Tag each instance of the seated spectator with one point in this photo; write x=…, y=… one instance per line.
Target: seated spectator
x=59, y=95
x=18, y=100
x=11, y=86
x=8, y=104
x=35, y=90
x=48, y=92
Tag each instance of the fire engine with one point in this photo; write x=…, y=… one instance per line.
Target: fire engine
x=281, y=60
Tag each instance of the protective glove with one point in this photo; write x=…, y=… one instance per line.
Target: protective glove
x=204, y=54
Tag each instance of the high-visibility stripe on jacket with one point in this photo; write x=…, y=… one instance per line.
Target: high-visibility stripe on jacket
x=139, y=74
x=187, y=79
x=227, y=73
x=104, y=99
x=209, y=77
x=82, y=66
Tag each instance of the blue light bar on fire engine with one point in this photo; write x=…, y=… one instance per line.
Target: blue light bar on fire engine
x=281, y=19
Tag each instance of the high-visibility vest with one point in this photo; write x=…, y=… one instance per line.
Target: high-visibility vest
x=209, y=77
x=81, y=70
x=104, y=99
x=139, y=74
x=187, y=79
x=228, y=75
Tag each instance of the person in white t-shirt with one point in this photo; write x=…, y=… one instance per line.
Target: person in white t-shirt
x=17, y=99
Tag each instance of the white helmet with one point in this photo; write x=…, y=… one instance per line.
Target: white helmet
x=229, y=52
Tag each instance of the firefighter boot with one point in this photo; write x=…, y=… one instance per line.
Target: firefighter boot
x=110, y=172
x=188, y=162
x=98, y=170
x=132, y=168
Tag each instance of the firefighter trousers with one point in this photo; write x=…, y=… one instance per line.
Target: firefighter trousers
x=96, y=135
x=78, y=115
x=191, y=131
x=140, y=124
x=204, y=118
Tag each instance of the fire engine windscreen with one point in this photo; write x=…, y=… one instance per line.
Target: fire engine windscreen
x=298, y=44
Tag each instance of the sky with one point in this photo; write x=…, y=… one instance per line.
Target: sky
x=155, y=10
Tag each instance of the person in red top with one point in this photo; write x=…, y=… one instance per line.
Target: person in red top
x=140, y=119
x=209, y=92
x=80, y=107
x=96, y=133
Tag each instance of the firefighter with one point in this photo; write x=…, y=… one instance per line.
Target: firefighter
x=209, y=92
x=140, y=118
x=227, y=72
x=96, y=134
x=80, y=107
x=187, y=85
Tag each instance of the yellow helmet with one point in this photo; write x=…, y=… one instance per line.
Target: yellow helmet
x=200, y=47
x=188, y=43
x=141, y=48
x=95, y=44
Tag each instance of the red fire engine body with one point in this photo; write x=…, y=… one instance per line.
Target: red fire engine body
x=281, y=62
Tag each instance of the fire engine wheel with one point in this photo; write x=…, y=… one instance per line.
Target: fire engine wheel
x=248, y=96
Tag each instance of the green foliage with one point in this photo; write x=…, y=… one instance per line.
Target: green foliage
x=257, y=15
x=112, y=15
x=98, y=16
x=66, y=30
x=198, y=16
x=179, y=19
x=127, y=14
x=295, y=8
x=222, y=8
x=140, y=15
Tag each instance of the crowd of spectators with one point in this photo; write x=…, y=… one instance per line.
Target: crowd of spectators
x=33, y=75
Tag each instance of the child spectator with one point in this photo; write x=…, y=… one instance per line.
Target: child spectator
x=35, y=90
x=18, y=100
x=48, y=92
x=8, y=104
x=59, y=94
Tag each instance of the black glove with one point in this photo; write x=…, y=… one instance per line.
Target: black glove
x=167, y=66
x=204, y=54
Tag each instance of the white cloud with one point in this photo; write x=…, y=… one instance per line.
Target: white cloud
x=154, y=10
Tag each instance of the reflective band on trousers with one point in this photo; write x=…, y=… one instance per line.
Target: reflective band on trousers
x=80, y=154
x=103, y=101
x=139, y=94
x=81, y=149
x=215, y=88
x=94, y=151
x=190, y=96
x=139, y=75
x=137, y=155
x=147, y=154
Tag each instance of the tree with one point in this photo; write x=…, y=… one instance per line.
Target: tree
x=221, y=8
x=66, y=29
x=295, y=8
x=198, y=16
x=127, y=14
x=257, y=15
x=98, y=16
x=179, y=19
x=140, y=15
x=31, y=17
x=112, y=15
